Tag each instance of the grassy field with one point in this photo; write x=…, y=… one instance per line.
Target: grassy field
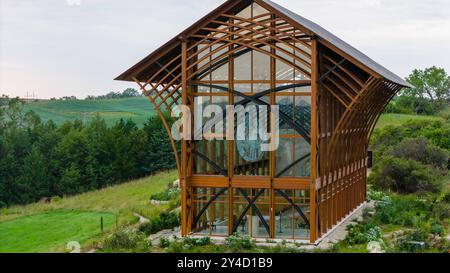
x=398, y=119
x=24, y=228
x=138, y=109
x=50, y=231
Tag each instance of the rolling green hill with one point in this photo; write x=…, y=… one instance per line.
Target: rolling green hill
x=139, y=109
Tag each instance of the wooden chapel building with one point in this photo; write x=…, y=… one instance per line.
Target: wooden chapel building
x=330, y=96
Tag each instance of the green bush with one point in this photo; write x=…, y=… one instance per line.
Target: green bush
x=412, y=242
x=238, y=243
x=363, y=233
x=445, y=114
x=438, y=132
x=437, y=229
x=164, y=242
x=441, y=210
x=421, y=150
x=406, y=211
x=197, y=241
x=166, y=220
x=375, y=195
x=194, y=245
x=404, y=176
x=169, y=194
x=126, y=240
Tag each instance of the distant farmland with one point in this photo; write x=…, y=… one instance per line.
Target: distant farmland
x=138, y=109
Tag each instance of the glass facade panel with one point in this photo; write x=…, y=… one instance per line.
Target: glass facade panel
x=292, y=214
x=245, y=13
x=207, y=151
x=253, y=221
x=285, y=157
x=219, y=72
x=286, y=106
x=260, y=87
x=293, y=154
x=284, y=71
x=243, y=67
x=261, y=65
x=249, y=159
x=212, y=217
x=258, y=10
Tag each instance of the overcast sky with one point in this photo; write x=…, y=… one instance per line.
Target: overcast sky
x=57, y=48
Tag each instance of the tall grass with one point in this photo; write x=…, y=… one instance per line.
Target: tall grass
x=122, y=200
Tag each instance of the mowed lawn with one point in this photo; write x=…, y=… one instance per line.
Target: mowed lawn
x=399, y=119
x=52, y=230
x=24, y=228
x=138, y=109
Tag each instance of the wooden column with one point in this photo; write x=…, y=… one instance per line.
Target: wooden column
x=183, y=178
x=314, y=128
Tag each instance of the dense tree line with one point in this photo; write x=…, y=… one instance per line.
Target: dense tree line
x=127, y=93
x=44, y=160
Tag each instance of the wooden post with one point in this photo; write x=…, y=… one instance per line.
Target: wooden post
x=314, y=128
x=184, y=229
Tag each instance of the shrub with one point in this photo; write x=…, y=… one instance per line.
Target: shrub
x=437, y=229
x=441, y=210
x=401, y=210
x=197, y=241
x=404, y=176
x=412, y=242
x=363, y=233
x=438, y=132
x=445, y=114
x=126, y=240
x=190, y=245
x=375, y=195
x=237, y=243
x=167, y=195
x=166, y=220
x=421, y=150
x=164, y=242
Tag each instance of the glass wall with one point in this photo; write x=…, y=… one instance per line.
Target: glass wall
x=292, y=214
x=293, y=154
x=251, y=212
x=210, y=211
x=253, y=70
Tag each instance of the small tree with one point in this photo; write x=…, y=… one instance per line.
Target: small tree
x=431, y=90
